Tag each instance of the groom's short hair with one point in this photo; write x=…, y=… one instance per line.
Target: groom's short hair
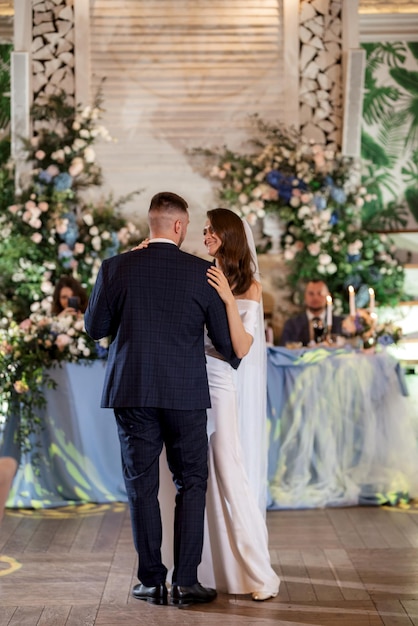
x=168, y=202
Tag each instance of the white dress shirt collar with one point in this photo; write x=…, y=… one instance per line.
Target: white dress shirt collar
x=162, y=240
x=311, y=315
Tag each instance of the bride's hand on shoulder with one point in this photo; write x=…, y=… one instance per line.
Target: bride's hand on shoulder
x=219, y=281
x=142, y=245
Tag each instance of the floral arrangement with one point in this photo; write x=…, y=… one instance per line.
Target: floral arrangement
x=47, y=230
x=362, y=324
x=28, y=351
x=365, y=326
x=320, y=199
x=388, y=333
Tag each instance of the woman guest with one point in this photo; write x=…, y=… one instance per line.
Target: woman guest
x=66, y=288
x=236, y=557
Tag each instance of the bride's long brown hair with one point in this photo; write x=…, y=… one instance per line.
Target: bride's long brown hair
x=234, y=255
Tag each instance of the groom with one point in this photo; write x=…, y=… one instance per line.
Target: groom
x=155, y=305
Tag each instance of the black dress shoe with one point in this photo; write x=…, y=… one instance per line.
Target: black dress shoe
x=188, y=595
x=154, y=595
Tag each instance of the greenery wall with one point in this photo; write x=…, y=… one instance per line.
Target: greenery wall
x=390, y=131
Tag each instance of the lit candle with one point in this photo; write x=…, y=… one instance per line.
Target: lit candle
x=352, y=301
x=329, y=314
x=371, y=300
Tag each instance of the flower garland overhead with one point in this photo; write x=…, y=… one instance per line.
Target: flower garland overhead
x=319, y=197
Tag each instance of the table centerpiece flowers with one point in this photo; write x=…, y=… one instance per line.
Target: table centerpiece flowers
x=365, y=327
x=28, y=353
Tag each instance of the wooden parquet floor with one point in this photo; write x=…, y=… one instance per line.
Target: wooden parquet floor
x=339, y=567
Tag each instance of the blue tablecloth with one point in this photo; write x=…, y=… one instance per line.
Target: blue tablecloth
x=340, y=429
x=79, y=447
x=340, y=433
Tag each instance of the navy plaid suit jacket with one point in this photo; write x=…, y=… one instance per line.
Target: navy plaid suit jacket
x=154, y=303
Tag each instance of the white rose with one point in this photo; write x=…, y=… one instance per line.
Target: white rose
x=332, y=268
x=96, y=242
x=89, y=155
x=324, y=259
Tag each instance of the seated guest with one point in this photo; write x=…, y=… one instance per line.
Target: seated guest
x=69, y=297
x=306, y=327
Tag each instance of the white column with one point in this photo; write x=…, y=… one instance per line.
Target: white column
x=353, y=66
x=82, y=67
x=21, y=89
x=290, y=115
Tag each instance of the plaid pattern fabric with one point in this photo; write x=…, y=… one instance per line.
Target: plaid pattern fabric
x=154, y=303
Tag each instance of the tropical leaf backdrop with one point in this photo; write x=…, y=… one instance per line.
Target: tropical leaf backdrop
x=390, y=132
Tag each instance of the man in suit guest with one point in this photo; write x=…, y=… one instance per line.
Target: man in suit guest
x=155, y=304
x=301, y=327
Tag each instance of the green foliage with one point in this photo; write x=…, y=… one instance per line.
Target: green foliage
x=387, y=53
x=393, y=111
x=46, y=231
x=413, y=46
x=321, y=200
x=373, y=152
x=27, y=352
x=406, y=79
x=378, y=102
x=49, y=230
x=5, y=50
x=411, y=196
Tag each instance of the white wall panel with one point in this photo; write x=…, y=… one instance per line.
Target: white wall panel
x=180, y=75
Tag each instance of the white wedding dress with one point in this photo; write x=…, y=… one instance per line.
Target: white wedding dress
x=235, y=554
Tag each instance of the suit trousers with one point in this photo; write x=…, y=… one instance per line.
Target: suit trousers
x=142, y=432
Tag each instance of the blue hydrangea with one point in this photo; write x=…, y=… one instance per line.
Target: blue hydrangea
x=385, y=340
x=45, y=177
x=284, y=184
x=334, y=219
x=362, y=296
x=112, y=250
x=63, y=181
x=71, y=235
x=338, y=195
x=320, y=202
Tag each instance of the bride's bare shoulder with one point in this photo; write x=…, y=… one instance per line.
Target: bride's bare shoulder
x=254, y=292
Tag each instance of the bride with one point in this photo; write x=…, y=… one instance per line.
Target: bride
x=235, y=555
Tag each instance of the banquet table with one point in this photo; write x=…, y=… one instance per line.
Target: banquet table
x=78, y=456
x=340, y=434
x=341, y=429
